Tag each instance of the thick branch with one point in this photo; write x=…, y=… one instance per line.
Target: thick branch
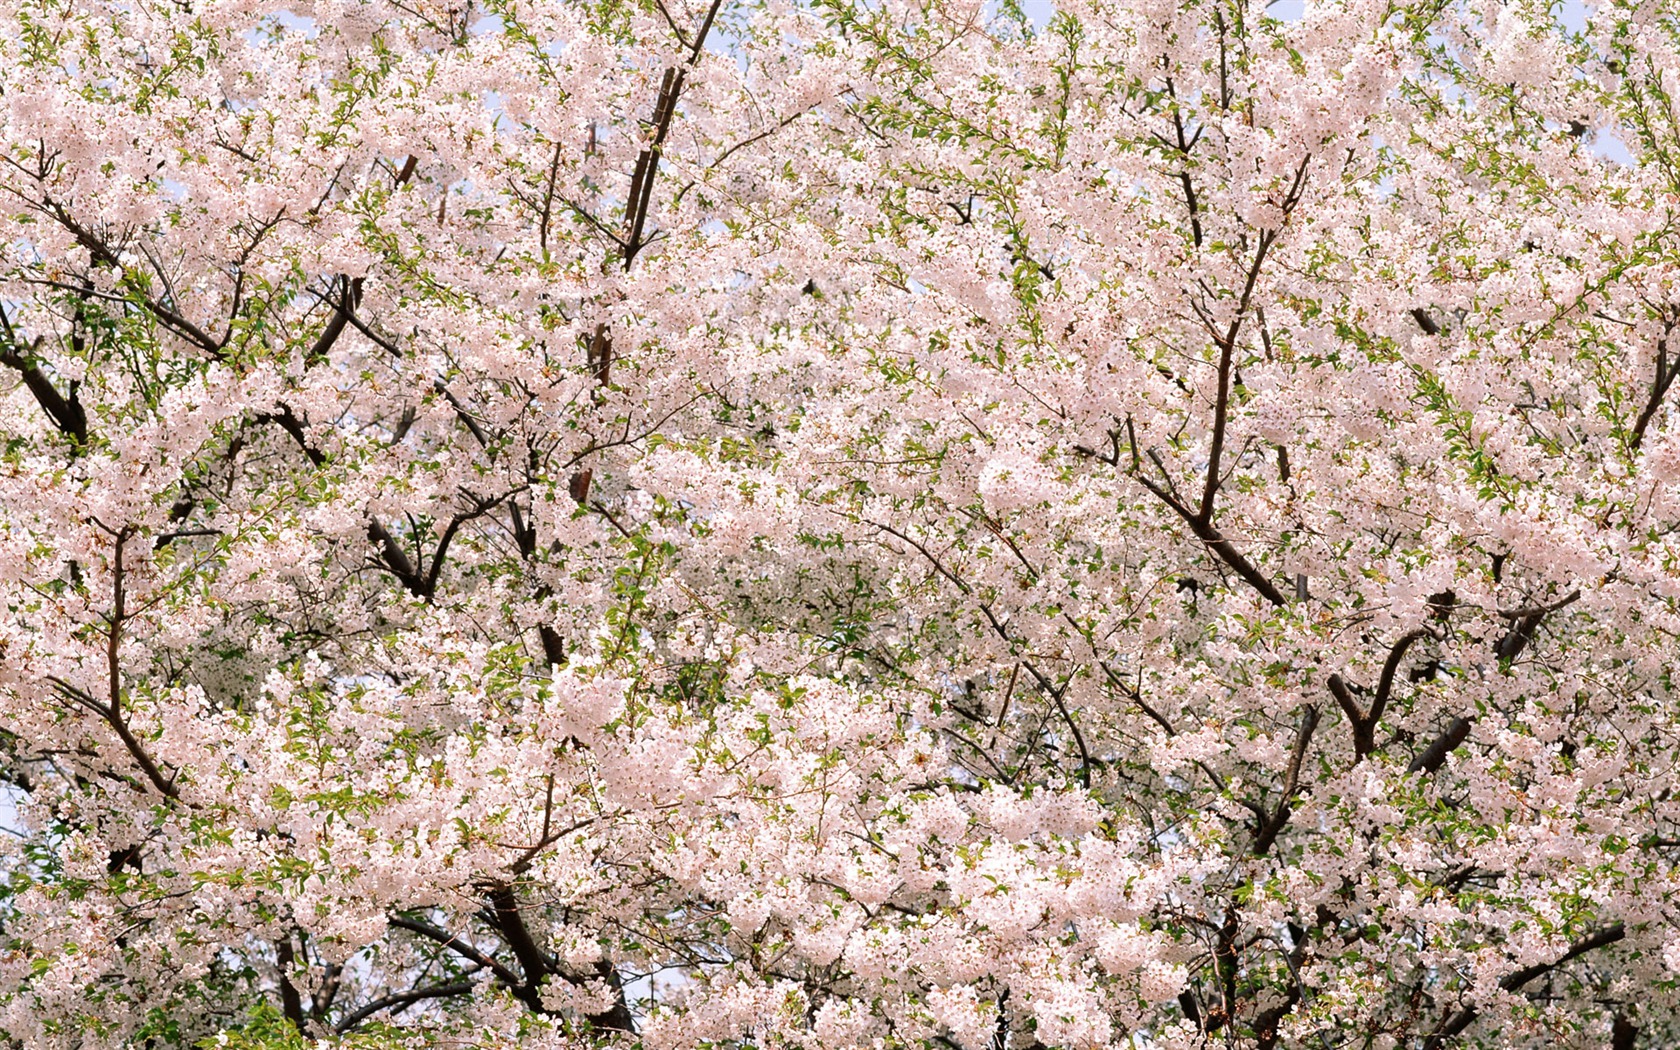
x=292, y=425
x=1220, y=546
x=66, y=412
x=396, y=559
x=402, y=999
x=1222, y=396
x=1462, y=1018
x=1525, y=622
x=1200, y=519
x=458, y=946
x=1659, y=390
x=1227, y=345
x=1266, y=834
x=1431, y=758
x=422, y=583
x=505, y=911
x=1364, y=723
x=511, y=924
x=341, y=316
x=647, y=163
x=102, y=253
x=111, y=710
x=291, y=1003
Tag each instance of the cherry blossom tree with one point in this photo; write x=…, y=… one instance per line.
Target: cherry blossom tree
x=857, y=523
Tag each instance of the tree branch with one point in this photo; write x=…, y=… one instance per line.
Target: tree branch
x=456, y=945
x=647, y=162
x=1432, y=757
x=402, y=999
x=1659, y=389
x=101, y=252
x=1364, y=723
x=1462, y=1018
x=1525, y=622
x=1266, y=834
x=66, y=412
x=112, y=709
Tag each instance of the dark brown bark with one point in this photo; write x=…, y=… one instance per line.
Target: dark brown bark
x=1464, y=1016
x=1266, y=834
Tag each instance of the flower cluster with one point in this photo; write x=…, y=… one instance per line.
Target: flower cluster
x=893, y=525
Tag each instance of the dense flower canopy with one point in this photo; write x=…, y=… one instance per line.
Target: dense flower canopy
x=847, y=523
